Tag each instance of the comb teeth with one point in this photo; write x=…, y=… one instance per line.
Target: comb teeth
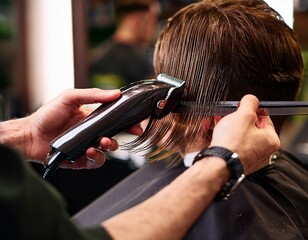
x=170, y=80
x=192, y=108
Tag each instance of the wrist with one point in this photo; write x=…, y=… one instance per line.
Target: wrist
x=214, y=171
x=234, y=166
x=16, y=134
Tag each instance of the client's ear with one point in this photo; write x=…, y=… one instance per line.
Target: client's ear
x=210, y=122
x=207, y=124
x=216, y=119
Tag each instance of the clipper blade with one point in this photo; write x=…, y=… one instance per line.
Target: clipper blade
x=170, y=80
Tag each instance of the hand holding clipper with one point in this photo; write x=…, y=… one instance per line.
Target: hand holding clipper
x=139, y=100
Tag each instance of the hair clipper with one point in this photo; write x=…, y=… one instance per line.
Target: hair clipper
x=139, y=100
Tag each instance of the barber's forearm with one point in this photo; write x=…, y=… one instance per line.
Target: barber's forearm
x=172, y=211
x=15, y=133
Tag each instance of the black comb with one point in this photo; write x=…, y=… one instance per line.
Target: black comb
x=270, y=108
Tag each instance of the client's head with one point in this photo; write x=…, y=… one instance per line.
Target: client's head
x=224, y=49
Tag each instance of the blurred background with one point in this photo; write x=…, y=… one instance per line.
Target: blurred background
x=48, y=46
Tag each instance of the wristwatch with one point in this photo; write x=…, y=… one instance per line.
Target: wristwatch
x=234, y=164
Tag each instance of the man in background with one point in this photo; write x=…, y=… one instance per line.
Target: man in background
x=126, y=56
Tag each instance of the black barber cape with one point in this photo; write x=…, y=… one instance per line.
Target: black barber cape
x=270, y=204
x=30, y=208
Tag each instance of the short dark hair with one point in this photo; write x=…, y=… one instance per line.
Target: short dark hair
x=124, y=7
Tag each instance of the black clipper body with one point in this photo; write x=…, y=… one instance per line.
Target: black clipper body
x=139, y=100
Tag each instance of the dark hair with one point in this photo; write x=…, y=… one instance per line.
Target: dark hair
x=224, y=49
x=124, y=7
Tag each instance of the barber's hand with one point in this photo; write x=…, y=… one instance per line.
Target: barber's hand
x=63, y=112
x=252, y=137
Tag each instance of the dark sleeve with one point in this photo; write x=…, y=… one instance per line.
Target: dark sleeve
x=30, y=208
